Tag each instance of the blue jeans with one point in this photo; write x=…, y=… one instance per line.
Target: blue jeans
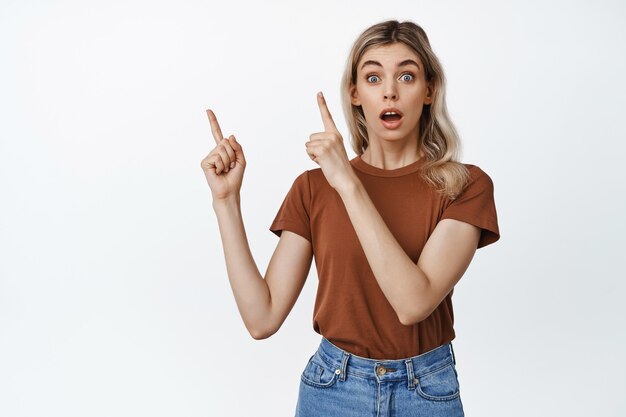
x=338, y=383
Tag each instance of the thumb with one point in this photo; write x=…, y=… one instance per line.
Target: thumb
x=236, y=147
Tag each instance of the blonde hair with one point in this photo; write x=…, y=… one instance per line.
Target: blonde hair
x=438, y=138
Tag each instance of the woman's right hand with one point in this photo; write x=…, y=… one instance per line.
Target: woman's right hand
x=224, y=166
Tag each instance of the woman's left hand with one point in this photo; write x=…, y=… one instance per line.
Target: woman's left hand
x=327, y=150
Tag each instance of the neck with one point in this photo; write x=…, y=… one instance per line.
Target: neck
x=391, y=159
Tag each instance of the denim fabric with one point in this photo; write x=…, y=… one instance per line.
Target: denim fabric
x=335, y=382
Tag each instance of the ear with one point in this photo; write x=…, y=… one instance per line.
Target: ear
x=354, y=96
x=429, y=93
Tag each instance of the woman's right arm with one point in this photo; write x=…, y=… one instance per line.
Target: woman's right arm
x=263, y=303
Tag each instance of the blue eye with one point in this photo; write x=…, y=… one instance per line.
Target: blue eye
x=369, y=77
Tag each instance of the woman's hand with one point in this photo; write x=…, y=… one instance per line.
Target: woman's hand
x=224, y=166
x=327, y=150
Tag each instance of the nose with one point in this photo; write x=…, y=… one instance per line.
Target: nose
x=391, y=91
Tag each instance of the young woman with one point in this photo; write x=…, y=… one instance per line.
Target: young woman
x=392, y=230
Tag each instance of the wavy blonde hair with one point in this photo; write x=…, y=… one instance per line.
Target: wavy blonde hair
x=438, y=138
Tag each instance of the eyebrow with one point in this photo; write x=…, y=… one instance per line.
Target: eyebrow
x=401, y=64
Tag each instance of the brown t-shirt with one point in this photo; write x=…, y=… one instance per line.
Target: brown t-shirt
x=350, y=308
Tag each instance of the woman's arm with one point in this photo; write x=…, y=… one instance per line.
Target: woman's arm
x=414, y=290
x=263, y=303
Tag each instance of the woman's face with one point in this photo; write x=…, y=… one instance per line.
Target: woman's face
x=391, y=76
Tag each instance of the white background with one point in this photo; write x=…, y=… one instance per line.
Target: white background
x=114, y=300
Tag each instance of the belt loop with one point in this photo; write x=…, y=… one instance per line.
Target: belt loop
x=409, y=373
x=452, y=352
x=344, y=363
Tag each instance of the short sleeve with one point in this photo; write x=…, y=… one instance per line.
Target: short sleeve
x=476, y=205
x=294, y=213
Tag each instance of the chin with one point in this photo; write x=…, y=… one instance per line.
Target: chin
x=396, y=134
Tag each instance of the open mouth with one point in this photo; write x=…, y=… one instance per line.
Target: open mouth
x=391, y=115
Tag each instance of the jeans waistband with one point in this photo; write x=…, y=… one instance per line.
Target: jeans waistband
x=385, y=369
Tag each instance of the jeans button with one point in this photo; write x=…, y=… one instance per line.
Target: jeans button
x=381, y=370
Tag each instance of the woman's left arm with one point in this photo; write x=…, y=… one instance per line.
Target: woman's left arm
x=413, y=290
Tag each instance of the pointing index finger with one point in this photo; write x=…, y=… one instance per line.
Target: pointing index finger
x=329, y=124
x=215, y=127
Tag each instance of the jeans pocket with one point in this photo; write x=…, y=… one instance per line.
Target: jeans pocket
x=439, y=385
x=318, y=373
